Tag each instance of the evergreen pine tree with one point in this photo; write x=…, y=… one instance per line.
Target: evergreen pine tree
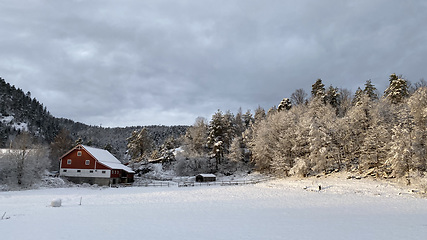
x=332, y=97
x=357, y=96
x=370, y=90
x=259, y=114
x=217, y=132
x=318, y=89
x=397, y=91
x=247, y=118
x=285, y=104
x=238, y=123
x=139, y=145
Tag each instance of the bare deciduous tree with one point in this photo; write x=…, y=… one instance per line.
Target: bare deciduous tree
x=25, y=162
x=298, y=97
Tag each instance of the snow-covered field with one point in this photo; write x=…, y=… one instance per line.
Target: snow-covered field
x=277, y=209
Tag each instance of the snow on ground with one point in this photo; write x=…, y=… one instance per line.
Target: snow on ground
x=277, y=209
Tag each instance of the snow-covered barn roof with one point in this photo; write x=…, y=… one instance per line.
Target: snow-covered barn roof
x=106, y=158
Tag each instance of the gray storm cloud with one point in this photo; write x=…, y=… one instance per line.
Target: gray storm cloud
x=121, y=63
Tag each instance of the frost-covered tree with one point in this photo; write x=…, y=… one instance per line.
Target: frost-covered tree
x=370, y=90
x=300, y=168
x=237, y=150
x=24, y=163
x=239, y=126
x=357, y=96
x=238, y=155
x=217, y=134
x=247, y=118
x=281, y=150
x=420, y=84
x=195, y=157
x=318, y=89
x=332, y=97
x=259, y=114
x=166, y=150
x=272, y=111
x=304, y=133
x=418, y=107
x=377, y=134
x=354, y=129
x=400, y=156
x=229, y=129
x=195, y=139
x=285, y=104
x=22, y=144
x=397, y=90
x=345, y=100
x=139, y=145
x=323, y=152
x=376, y=146
x=263, y=142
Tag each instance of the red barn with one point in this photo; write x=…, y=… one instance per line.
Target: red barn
x=84, y=164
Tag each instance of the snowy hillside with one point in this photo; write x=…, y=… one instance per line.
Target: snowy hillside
x=9, y=121
x=279, y=209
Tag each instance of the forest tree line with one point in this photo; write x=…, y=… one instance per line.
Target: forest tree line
x=332, y=130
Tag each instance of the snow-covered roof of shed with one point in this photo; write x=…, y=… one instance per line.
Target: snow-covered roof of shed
x=106, y=158
x=206, y=175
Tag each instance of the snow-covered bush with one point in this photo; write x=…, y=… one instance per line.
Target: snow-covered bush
x=157, y=172
x=54, y=182
x=190, y=166
x=300, y=168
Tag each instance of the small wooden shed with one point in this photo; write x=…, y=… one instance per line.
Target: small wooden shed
x=205, y=178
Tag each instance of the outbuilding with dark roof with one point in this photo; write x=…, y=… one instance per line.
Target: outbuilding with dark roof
x=205, y=178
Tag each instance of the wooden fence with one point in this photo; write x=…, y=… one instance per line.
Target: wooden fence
x=194, y=184
x=154, y=184
x=222, y=183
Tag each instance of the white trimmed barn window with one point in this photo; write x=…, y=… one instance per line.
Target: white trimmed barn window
x=87, y=162
x=69, y=161
x=79, y=153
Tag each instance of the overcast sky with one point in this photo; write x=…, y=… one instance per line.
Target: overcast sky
x=144, y=62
